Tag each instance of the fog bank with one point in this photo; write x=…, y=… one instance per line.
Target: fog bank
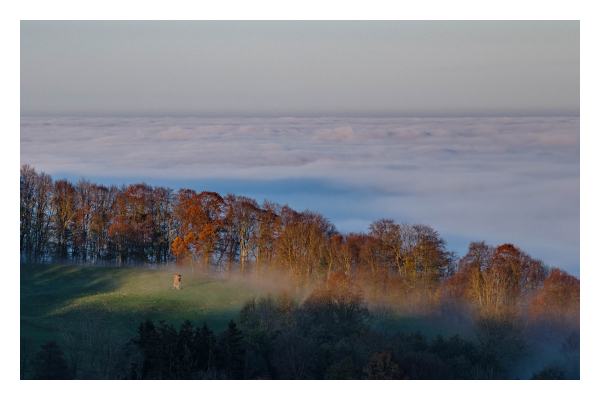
x=501, y=180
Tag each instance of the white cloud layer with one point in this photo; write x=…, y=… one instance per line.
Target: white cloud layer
x=499, y=179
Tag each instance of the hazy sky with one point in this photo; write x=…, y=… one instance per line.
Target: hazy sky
x=306, y=113
x=323, y=68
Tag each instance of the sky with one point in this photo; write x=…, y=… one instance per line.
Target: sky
x=470, y=127
x=300, y=68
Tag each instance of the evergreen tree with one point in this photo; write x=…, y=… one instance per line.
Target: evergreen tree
x=167, y=350
x=49, y=363
x=205, y=349
x=231, y=351
x=186, y=362
x=148, y=342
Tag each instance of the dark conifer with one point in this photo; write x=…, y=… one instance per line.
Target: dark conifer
x=231, y=350
x=49, y=363
x=205, y=349
x=186, y=363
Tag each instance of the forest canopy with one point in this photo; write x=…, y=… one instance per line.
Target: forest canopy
x=347, y=279
x=399, y=263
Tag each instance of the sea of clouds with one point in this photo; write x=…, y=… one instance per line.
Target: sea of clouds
x=503, y=180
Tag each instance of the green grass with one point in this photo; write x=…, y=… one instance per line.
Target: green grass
x=118, y=299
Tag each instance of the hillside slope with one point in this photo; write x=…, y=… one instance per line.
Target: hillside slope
x=115, y=300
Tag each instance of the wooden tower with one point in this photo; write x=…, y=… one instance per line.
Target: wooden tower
x=177, y=282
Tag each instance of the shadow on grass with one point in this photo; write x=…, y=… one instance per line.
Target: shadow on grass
x=119, y=299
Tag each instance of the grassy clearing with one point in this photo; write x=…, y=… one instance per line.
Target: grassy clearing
x=118, y=299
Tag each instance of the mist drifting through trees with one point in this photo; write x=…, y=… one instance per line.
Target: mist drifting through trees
x=347, y=279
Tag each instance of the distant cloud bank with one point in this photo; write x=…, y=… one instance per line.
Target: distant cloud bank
x=495, y=179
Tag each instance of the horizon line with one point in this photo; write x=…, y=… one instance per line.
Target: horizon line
x=282, y=116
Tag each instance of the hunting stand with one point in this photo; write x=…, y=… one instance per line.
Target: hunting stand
x=177, y=282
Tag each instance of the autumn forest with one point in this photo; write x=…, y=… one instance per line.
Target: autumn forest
x=338, y=283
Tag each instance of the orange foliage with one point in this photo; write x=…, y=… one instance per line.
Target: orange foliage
x=558, y=297
x=180, y=250
x=336, y=280
x=456, y=287
x=393, y=262
x=495, y=278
